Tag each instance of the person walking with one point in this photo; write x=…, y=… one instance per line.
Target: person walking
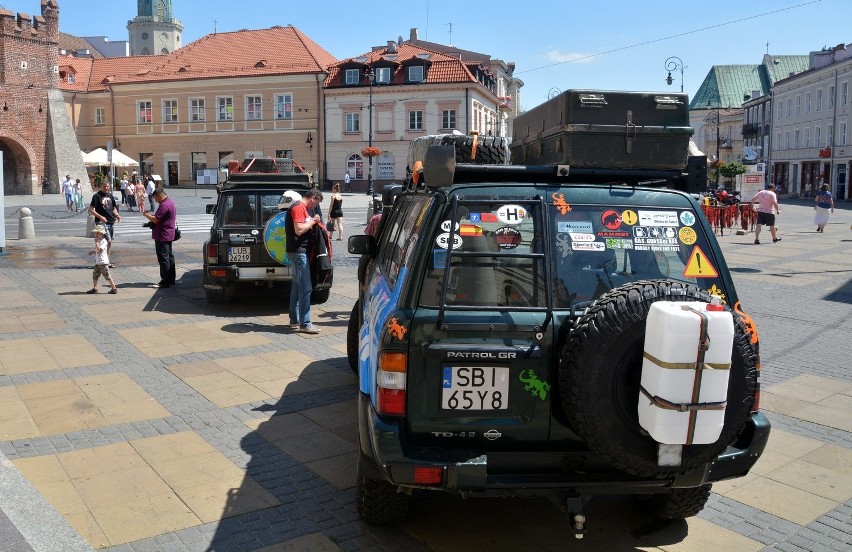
x=824, y=207
x=123, y=186
x=163, y=234
x=102, y=265
x=149, y=191
x=78, y=196
x=767, y=207
x=347, y=182
x=103, y=208
x=298, y=227
x=68, y=190
x=139, y=189
x=335, y=212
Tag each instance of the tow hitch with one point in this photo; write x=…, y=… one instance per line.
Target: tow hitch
x=572, y=504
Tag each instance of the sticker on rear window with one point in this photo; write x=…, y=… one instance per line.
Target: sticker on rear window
x=574, y=226
x=618, y=243
x=658, y=218
x=482, y=217
x=687, y=218
x=611, y=219
x=560, y=203
x=443, y=240
x=581, y=237
x=507, y=237
x=445, y=226
x=585, y=246
x=511, y=214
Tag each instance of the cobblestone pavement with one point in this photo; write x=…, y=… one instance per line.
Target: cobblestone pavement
x=148, y=420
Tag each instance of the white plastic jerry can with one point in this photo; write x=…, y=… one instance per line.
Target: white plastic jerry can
x=685, y=370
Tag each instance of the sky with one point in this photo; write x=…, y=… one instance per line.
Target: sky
x=556, y=44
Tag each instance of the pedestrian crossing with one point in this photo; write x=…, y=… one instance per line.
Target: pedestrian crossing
x=188, y=224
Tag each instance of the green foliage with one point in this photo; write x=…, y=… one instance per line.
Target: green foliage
x=98, y=177
x=731, y=170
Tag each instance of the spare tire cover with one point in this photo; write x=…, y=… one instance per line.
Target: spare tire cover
x=600, y=370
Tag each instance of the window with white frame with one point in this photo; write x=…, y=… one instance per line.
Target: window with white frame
x=829, y=136
x=69, y=78
x=841, y=138
x=253, y=108
x=778, y=143
x=807, y=137
x=352, y=76
x=353, y=122
x=448, y=118
x=831, y=97
x=798, y=105
x=789, y=108
x=819, y=100
x=283, y=106
x=415, y=73
x=225, y=108
x=196, y=110
x=787, y=140
x=143, y=110
x=808, y=102
x=415, y=120
x=383, y=75
x=100, y=116
x=796, y=139
x=170, y=111
x=355, y=166
x=818, y=137
x=844, y=93
x=780, y=112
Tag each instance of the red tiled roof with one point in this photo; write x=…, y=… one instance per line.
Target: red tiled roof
x=274, y=51
x=80, y=67
x=442, y=68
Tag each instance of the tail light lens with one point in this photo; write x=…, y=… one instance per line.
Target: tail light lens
x=390, y=384
x=212, y=253
x=428, y=475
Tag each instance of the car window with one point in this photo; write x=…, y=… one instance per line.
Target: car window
x=240, y=209
x=597, y=248
x=490, y=263
x=400, y=239
x=269, y=206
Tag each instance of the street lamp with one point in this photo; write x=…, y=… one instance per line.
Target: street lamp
x=711, y=96
x=370, y=75
x=674, y=63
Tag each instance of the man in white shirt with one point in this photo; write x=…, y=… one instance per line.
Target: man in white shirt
x=68, y=190
x=149, y=190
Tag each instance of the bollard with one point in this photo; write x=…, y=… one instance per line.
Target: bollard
x=369, y=211
x=26, y=229
x=90, y=227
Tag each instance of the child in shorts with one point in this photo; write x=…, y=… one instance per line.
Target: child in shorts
x=101, y=260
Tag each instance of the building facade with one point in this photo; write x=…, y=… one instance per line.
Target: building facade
x=181, y=112
x=396, y=93
x=37, y=142
x=810, y=125
x=154, y=30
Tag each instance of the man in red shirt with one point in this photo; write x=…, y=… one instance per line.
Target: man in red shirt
x=299, y=230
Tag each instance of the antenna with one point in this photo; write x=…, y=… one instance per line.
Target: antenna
x=426, y=34
x=451, y=34
x=214, y=26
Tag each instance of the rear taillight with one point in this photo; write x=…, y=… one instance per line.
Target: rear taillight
x=428, y=476
x=390, y=384
x=212, y=253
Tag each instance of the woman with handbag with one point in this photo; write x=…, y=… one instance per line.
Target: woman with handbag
x=335, y=212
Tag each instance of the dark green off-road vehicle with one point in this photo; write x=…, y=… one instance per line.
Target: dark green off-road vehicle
x=499, y=335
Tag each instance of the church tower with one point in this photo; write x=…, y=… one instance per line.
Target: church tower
x=154, y=30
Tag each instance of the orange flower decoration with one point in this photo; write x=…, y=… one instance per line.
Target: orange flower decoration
x=370, y=151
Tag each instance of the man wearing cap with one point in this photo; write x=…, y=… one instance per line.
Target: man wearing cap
x=163, y=234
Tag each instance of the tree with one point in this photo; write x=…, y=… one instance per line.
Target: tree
x=731, y=170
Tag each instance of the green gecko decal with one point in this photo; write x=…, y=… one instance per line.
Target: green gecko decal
x=539, y=388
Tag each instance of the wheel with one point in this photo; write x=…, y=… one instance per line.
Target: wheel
x=320, y=296
x=490, y=150
x=679, y=503
x=352, y=337
x=379, y=503
x=600, y=370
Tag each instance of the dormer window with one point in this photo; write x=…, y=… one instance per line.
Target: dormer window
x=383, y=75
x=352, y=76
x=415, y=73
x=69, y=78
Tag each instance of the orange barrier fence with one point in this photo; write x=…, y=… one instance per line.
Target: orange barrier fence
x=726, y=216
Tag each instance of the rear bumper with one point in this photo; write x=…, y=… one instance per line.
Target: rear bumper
x=218, y=275
x=384, y=455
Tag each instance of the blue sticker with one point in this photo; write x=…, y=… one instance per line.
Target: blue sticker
x=474, y=217
x=447, y=381
x=439, y=258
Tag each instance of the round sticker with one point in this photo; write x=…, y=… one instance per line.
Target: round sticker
x=443, y=240
x=629, y=217
x=687, y=235
x=507, y=237
x=687, y=218
x=511, y=214
x=445, y=226
x=611, y=219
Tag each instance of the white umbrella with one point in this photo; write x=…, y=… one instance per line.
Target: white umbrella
x=98, y=157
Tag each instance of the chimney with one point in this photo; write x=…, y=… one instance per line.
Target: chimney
x=413, y=33
x=391, y=47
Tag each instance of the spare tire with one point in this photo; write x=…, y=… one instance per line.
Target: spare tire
x=489, y=150
x=600, y=369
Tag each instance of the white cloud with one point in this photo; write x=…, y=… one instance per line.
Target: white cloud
x=563, y=57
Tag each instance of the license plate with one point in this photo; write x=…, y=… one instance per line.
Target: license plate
x=239, y=254
x=475, y=388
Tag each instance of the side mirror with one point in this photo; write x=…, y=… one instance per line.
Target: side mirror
x=362, y=245
x=210, y=208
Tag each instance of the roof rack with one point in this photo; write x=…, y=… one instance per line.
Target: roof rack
x=296, y=180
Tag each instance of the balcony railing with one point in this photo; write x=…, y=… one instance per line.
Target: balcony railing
x=751, y=129
x=505, y=103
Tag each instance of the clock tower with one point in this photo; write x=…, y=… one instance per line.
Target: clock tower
x=154, y=30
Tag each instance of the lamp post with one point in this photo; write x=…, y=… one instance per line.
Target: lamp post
x=674, y=63
x=712, y=95
x=369, y=75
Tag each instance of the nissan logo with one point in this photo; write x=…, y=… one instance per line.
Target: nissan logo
x=492, y=434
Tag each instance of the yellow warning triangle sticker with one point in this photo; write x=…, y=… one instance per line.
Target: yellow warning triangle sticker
x=698, y=266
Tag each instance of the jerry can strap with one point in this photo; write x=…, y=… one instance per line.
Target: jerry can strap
x=682, y=407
